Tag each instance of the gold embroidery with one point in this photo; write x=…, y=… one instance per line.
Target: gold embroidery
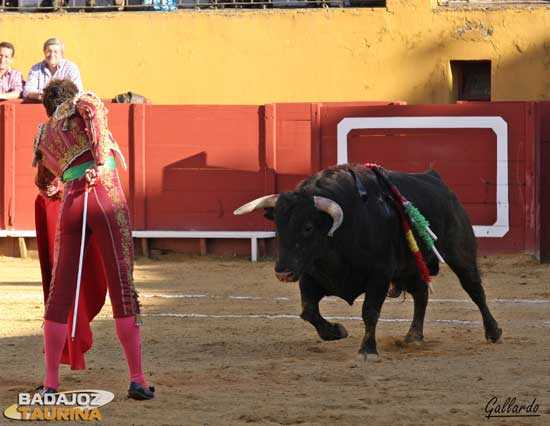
x=114, y=192
x=39, y=136
x=65, y=110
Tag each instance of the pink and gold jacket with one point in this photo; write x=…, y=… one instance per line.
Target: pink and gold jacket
x=77, y=126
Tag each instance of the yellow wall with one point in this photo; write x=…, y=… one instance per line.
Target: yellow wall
x=250, y=57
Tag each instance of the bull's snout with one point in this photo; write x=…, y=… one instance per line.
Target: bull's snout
x=286, y=277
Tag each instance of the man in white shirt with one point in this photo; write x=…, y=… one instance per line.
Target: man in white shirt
x=54, y=66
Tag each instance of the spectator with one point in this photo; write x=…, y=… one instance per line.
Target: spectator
x=11, y=81
x=53, y=67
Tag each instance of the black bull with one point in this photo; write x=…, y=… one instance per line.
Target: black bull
x=339, y=243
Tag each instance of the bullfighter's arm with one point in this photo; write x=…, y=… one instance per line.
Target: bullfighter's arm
x=47, y=182
x=92, y=110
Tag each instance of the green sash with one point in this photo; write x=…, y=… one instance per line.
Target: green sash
x=77, y=172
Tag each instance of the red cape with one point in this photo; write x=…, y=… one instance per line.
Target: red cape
x=93, y=285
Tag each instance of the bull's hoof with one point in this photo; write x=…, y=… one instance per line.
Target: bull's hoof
x=362, y=359
x=358, y=361
x=494, y=336
x=413, y=338
x=334, y=332
x=342, y=330
x=373, y=358
x=369, y=357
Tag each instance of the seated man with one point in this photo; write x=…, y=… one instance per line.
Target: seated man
x=53, y=67
x=11, y=81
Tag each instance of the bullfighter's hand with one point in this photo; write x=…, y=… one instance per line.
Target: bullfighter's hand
x=52, y=191
x=93, y=174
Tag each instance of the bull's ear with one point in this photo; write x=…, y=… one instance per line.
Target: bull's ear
x=268, y=213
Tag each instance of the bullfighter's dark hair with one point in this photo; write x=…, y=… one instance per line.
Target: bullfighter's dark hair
x=57, y=92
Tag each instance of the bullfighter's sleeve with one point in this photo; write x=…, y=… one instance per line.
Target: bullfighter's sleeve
x=46, y=181
x=92, y=110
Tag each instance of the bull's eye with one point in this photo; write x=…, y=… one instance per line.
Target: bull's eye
x=307, y=229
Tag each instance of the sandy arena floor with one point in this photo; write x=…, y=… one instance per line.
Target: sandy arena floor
x=224, y=346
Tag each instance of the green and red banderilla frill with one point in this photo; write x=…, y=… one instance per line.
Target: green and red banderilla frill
x=410, y=215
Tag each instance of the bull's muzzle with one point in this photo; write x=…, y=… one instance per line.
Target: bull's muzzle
x=286, y=277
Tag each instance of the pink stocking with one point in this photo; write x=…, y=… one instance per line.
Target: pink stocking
x=55, y=336
x=129, y=336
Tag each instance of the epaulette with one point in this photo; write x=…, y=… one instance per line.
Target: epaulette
x=37, y=138
x=65, y=110
x=89, y=98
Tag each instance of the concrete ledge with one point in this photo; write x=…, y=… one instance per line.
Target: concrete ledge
x=203, y=235
x=254, y=236
x=17, y=234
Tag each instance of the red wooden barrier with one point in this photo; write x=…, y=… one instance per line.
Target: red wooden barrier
x=199, y=164
x=22, y=130
x=544, y=164
x=190, y=166
x=294, y=136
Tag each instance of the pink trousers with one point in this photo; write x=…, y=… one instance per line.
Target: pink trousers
x=108, y=220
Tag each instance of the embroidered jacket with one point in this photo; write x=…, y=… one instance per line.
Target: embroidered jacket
x=77, y=126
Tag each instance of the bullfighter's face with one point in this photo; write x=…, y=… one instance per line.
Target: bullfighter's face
x=302, y=231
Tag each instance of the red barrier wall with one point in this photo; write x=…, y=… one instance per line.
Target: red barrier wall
x=543, y=117
x=20, y=123
x=191, y=166
x=199, y=163
x=294, y=138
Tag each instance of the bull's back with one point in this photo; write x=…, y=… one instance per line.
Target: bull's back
x=423, y=189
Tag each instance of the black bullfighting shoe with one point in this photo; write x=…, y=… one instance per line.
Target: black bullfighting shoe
x=138, y=392
x=42, y=390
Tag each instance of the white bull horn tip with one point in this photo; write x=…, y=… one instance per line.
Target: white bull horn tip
x=259, y=203
x=239, y=211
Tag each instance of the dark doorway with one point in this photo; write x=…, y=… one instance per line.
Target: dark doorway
x=471, y=80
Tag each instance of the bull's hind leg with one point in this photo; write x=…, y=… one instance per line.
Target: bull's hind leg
x=470, y=279
x=311, y=295
x=419, y=292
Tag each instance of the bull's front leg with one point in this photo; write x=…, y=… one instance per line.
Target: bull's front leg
x=311, y=295
x=374, y=299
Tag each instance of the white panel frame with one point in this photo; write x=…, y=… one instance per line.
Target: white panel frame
x=496, y=123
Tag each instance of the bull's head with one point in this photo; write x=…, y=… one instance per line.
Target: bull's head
x=303, y=224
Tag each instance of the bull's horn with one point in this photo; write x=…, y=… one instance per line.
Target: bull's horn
x=333, y=209
x=258, y=203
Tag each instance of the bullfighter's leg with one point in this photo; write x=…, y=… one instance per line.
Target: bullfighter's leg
x=470, y=279
x=311, y=295
x=419, y=292
x=374, y=299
